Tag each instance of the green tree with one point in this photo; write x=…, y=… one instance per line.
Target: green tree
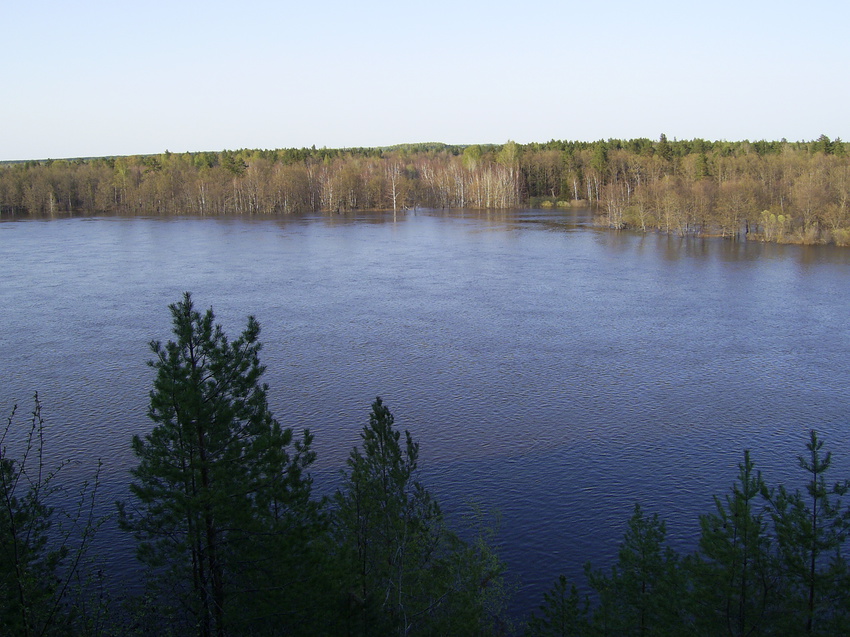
x=639, y=596
x=811, y=529
x=648, y=576
x=404, y=572
x=472, y=157
x=599, y=161
x=219, y=481
x=823, y=144
x=509, y=155
x=562, y=614
x=663, y=148
x=701, y=167
x=41, y=560
x=736, y=587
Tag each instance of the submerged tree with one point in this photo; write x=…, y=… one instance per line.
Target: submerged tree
x=220, y=484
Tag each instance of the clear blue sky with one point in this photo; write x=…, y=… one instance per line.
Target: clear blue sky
x=95, y=78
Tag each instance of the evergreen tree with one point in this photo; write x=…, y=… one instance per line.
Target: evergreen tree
x=811, y=529
x=736, y=586
x=663, y=148
x=640, y=595
x=403, y=571
x=562, y=614
x=648, y=577
x=219, y=484
x=701, y=167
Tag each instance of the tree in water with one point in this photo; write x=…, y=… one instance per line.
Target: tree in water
x=219, y=484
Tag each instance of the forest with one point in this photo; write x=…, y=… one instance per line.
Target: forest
x=232, y=539
x=779, y=191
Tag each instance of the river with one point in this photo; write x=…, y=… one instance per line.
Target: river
x=552, y=371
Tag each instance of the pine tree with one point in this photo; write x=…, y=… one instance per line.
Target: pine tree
x=219, y=481
x=811, y=530
x=403, y=571
x=640, y=595
x=562, y=614
x=736, y=584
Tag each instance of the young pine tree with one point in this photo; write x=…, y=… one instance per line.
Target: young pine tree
x=221, y=489
x=403, y=571
x=641, y=596
x=811, y=529
x=736, y=582
x=562, y=614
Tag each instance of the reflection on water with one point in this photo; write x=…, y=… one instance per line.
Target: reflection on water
x=552, y=370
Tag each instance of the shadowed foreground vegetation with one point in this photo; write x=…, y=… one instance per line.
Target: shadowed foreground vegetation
x=233, y=540
x=766, y=190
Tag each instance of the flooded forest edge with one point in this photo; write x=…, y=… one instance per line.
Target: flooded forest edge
x=786, y=192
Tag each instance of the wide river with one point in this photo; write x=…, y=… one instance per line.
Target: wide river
x=553, y=372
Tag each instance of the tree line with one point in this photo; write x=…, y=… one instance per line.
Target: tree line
x=766, y=190
x=234, y=541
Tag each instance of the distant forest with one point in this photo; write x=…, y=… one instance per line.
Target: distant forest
x=765, y=190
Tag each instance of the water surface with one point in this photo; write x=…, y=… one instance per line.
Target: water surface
x=552, y=371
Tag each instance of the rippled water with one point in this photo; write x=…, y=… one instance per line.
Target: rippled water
x=550, y=370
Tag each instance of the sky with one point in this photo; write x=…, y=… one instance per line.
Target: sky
x=97, y=78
